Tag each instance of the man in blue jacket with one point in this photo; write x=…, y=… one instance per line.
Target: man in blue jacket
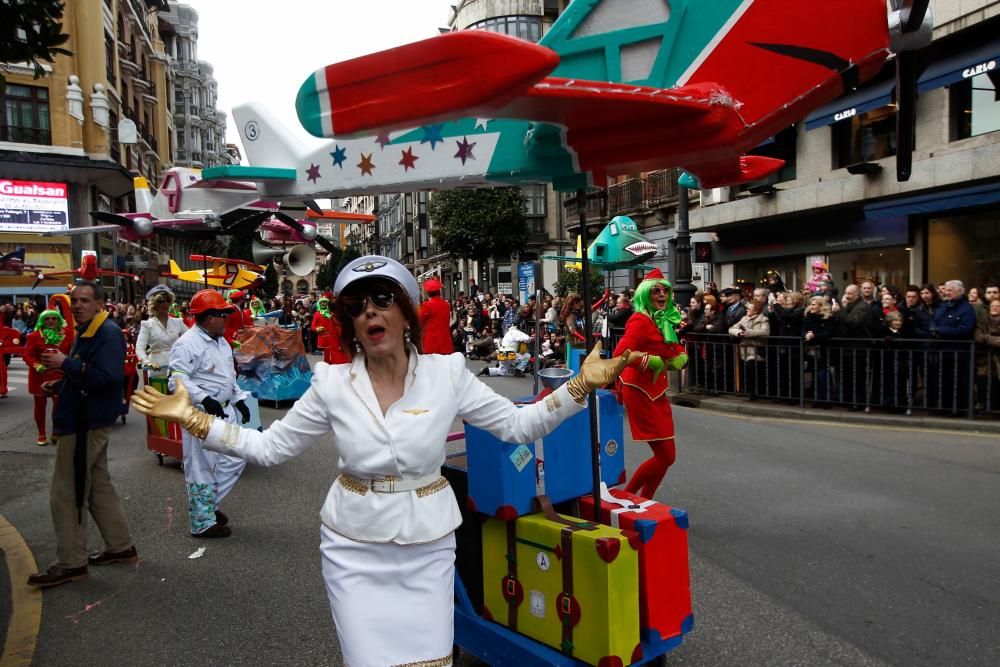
x=954, y=320
x=90, y=399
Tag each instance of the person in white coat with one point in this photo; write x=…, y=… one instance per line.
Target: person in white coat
x=159, y=332
x=204, y=359
x=387, y=531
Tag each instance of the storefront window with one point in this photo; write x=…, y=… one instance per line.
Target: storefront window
x=754, y=274
x=975, y=105
x=965, y=247
x=883, y=266
x=865, y=137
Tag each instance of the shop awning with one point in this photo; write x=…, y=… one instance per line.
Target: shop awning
x=960, y=66
x=862, y=100
x=979, y=195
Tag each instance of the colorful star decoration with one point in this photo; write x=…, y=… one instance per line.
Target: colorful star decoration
x=339, y=155
x=483, y=123
x=382, y=139
x=465, y=149
x=432, y=134
x=366, y=165
x=312, y=173
x=408, y=159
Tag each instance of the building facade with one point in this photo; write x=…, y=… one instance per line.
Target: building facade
x=200, y=136
x=62, y=129
x=838, y=200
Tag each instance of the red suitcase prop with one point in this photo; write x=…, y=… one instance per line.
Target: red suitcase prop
x=664, y=582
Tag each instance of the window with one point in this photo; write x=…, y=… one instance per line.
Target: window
x=524, y=27
x=534, y=199
x=975, y=106
x=25, y=117
x=865, y=137
x=536, y=226
x=782, y=146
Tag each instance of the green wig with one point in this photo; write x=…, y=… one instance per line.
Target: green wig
x=51, y=336
x=665, y=319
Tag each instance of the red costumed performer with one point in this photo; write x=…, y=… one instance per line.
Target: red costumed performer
x=239, y=318
x=328, y=334
x=50, y=332
x=435, y=320
x=650, y=334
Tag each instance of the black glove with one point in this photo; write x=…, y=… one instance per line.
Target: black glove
x=213, y=407
x=244, y=411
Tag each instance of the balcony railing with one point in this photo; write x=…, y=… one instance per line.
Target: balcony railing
x=25, y=135
x=625, y=197
x=661, y=187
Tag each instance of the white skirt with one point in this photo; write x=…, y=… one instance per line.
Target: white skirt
x=392, y=604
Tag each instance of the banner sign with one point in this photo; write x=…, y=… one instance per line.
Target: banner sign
x=33, y=206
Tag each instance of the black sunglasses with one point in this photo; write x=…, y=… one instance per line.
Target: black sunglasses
x=355, y=305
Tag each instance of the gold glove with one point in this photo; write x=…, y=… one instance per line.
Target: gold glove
x=175, y=408
x=595, y=373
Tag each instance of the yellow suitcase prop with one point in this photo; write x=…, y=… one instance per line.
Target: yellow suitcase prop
x=568, y=583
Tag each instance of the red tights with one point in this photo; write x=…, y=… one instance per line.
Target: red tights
x=647, y=477
x=40, y=413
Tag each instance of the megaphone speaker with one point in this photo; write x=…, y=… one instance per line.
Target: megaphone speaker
x=301, y=260
x=264, y=252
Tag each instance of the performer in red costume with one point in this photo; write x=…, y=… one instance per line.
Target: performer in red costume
x=650, y=334
x=239, y=318
x=435, y=320
x=50, y=332
x=328, y=334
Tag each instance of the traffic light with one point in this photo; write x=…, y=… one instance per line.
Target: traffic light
x=703, y=252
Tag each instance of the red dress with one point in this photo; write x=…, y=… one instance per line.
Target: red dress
x=33, y=348
x=435, y=321
x=328, y=340
x=646, y=403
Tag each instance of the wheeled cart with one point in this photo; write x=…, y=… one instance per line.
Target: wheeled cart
x=162, y=437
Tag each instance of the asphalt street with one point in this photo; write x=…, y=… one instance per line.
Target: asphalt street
x=811, y=544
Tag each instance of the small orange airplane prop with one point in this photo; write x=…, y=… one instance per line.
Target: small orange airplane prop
x=225, y=272
x=89, y=270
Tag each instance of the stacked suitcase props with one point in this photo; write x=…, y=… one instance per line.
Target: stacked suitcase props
x=621, y=559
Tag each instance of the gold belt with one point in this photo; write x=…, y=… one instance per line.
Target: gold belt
x=424, y=486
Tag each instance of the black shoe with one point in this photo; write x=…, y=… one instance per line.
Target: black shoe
x=485, y=371
x=220, y=518
x=56, y=575
x=130, y=555
x=216, y=530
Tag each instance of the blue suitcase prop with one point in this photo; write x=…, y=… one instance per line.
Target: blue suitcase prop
x=505, y=477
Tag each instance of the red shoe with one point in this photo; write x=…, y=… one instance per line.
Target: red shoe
x=42, y=441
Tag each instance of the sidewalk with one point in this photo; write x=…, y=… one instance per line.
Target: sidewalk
x=765, y=408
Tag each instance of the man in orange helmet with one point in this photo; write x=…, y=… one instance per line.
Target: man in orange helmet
x=203, y=359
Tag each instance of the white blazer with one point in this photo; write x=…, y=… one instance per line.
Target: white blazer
x=153, y=344
x=408, y=442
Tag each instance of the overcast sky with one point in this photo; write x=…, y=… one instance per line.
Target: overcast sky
x=264, y=50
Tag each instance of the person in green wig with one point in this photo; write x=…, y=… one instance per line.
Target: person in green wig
x=50, y=333
x=651, y=335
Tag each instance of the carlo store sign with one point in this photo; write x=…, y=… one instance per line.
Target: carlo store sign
x=982, y=68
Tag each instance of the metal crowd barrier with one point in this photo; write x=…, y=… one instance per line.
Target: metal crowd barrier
x=898, y=375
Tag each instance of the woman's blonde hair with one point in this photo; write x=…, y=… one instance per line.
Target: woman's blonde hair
x=160, y=298
x=824, y=307
x=797, y=298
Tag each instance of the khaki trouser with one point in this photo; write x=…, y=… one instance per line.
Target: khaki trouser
x=99, y=498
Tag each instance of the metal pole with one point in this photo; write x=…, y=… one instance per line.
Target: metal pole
x=595, y=438
x=538, y=337
x=681, y=273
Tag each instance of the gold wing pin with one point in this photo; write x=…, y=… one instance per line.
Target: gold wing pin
x=415, y=411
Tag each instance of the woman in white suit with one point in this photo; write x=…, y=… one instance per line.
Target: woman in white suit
x=387, y=533
x=159, y=332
